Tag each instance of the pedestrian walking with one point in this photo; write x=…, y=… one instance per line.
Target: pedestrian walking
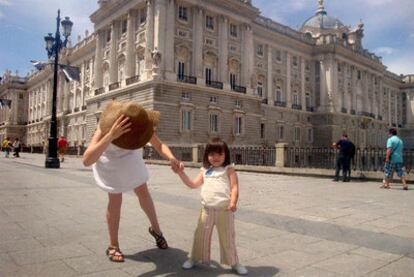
x=116, y=155
x=16, y=147
x=394, y=159
x=62, y=146
x=6, y=147
x=219, y=195
x=343, y=158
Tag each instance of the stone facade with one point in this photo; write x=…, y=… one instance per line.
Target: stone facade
x=218, y=68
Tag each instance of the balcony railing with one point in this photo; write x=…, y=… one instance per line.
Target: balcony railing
x=310, y=109
x=353, y=111
x=75, y=110
x=187, y=79
x=379, y=117
x=214, y=84
x=344, y=110
x=131, y=80
x=296, y=106
x=99, y=91
x=280, y=103
x=265, y=101
x=114, y=86
x=238, y=89
x=83, y=107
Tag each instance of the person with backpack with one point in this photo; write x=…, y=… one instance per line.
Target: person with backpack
x=342, y=159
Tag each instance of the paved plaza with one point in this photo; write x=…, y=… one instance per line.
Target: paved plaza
x=53, y=224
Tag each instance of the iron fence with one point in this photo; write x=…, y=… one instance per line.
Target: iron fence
x=366, y=159
x=183, y=153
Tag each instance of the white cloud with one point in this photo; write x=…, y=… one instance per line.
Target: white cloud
x=403, y=64
x=384, y=50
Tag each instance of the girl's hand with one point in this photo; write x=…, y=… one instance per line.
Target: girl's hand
x=176, y=166
x=232, y=207
x=120, y=127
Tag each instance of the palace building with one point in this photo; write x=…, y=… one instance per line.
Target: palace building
x=217, y=68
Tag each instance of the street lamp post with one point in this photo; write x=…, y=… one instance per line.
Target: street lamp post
x=53, y=46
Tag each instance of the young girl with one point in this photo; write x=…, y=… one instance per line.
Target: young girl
x=117, y=170
x=219, y=194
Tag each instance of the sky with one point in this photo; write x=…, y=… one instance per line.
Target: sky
x=388, y=24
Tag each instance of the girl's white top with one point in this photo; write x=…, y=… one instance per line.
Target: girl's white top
x=119, y=170
x=215, y=191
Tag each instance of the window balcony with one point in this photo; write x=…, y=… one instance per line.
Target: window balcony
x=99, y=91
x=131, y=80
x=214, y=84
x=353, y=112
x=75, y=110
x=187, y=79
x=115, y=85
x=310, y=109
x=344, y=110
x=296, y=106
x=238, y=89
x=83, y=107
x=379, y=117
x=280, y=103
x=264, y=101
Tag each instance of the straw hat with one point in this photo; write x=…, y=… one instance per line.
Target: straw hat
x=143, y=123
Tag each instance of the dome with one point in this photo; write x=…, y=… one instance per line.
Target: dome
x=321, y=20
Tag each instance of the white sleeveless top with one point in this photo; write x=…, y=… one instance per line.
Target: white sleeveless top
x=215, y=191
x=119, y=170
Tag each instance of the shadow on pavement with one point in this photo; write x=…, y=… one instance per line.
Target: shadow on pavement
x=168, y=263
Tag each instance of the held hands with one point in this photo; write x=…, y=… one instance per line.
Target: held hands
x=176, y=165
x=120, y=127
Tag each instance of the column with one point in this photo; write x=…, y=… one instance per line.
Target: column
x=197, y=60
x=247, y=68
x=130, y=59
x=333, y=85
x=98, y=60
x=169, y=56
x=389, y=108
x=353, y=89
x=113, y=64
x=269, y=88
x=223, y=48
x=160, y=16
x=288, y=81
x=82, y=98
x=149, y=39
x=302, y=81
x=410, y=109
x=345, y=92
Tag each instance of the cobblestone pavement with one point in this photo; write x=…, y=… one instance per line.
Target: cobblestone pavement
x=53, y=224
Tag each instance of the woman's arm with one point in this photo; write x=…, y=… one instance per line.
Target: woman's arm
x=198, y=180
x=100, y=142
x=165, y=151
x=234, y=189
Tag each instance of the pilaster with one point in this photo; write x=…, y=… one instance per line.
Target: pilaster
x=130, y=53
x=113, y=65
x=269, y=88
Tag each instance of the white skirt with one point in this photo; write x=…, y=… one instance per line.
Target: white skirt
x=120, y=170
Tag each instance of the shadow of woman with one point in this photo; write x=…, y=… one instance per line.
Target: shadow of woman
x=168, y=263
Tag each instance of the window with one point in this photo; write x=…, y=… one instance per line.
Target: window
x=209, y=22
x=238, y=103
x=295, y=61
x=281, y=132
x=259, y=50
x=262, y=130
x=213, y=99
x=108, y=35
x=232, y=80
x=186, y=120
x=233, y=30
x=208, y=75
x=339, y=67
x=295, y=98
x=238, y=125
x=278, y=96
x=297, y=134
x=310, y=135
x=181, y=70
x=214, y=123
x=359, y=74
x=124, y=26
x=143, y=15
x=182, y=13
x=260, y=88
x=185, y=96
x=308, y=100
x=307, y=66
x=278, y=55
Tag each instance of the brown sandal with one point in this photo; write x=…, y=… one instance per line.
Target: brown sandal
x=114, y=254
x=159, y=239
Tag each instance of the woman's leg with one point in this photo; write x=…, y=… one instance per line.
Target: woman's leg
x=113, y=215
x=145, y=200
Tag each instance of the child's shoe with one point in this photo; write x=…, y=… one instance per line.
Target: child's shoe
x=240, y=269
x=188, y=264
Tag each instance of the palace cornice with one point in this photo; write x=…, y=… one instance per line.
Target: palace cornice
x=238, y=8
x=40, y=76
x=83, y=48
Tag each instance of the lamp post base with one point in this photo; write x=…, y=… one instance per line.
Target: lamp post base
x=52, y=162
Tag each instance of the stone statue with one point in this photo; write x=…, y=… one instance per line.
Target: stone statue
x=156, y=57
x=320, y=2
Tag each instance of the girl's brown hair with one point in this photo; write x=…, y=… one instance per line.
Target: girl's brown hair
x=216, y=145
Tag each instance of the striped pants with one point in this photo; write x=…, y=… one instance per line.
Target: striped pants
x=224, y=221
